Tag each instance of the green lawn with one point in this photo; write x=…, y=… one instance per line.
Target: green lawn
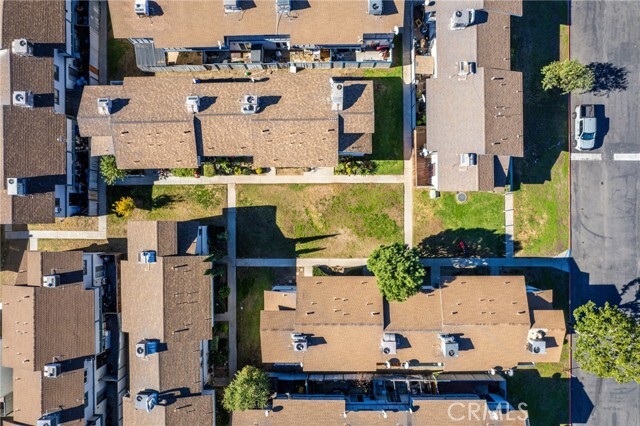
x=121, y=58
x=167, y=202
x=317, y=220
x=387, y=139
x=439, y=223
x=251, y=284
x=541, y=199
x=551, y=406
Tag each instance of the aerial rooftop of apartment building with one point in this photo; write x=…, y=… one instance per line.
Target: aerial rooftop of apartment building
x=281, y=120
x=50, y=339
x=33, y=133
x=475, y=323
x=206, y=23
x=332, y=410
x=167, y=313
x=474, y=101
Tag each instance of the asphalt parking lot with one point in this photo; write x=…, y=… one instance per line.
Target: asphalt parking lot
x=605, y=182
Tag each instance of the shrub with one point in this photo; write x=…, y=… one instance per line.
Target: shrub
x=249, y=390
x=124, y=206
x=224, y=291
x=398, y=271
x=568, y=76
x=259, y=171
x=183, y=172
x=110, y=171
x=351, y=166
x=208, y=170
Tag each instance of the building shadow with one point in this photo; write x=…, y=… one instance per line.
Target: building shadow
x=258, y=235
x=535, y=42
x=608, y=78
x=477, y=242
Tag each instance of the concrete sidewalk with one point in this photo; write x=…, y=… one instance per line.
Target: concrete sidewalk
x=266, y=179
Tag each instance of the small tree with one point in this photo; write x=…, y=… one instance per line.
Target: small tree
x=568, y=76
x=110, y=171
x=398, y=270
x=124, y=206
x=608, y=342
x=249, y=390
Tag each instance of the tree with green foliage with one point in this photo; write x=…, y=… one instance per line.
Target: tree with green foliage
x=249, y=390
x=110, y=171
x=398, y=270
x=568, y=76
x=607, y=342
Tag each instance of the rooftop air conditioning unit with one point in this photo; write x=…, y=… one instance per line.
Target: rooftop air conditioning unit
x=337, y=96
x=50, y=280
x=22, y=47
x=23, y=99
x=16, y=186
x=536, y=343
x=389, y=344
x=145, y=348
x=231, y=6
x=48, y=420
x=465, y=68
x=300, y=343
x=147, y=256
x=375, y=7
x=141, y=7
x=250, y=104
x=283, y=6
x=104, y=106
x=461, y=19
x=470, y=159
x=193, y=104
x=146, y=400
x=449, y=346
x=52, y=370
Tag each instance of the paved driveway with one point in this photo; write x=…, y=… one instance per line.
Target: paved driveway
x=605, y=211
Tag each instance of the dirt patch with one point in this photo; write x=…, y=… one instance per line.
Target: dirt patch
x=75, y=223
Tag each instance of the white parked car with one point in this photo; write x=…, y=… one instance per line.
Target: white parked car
x=585, y=127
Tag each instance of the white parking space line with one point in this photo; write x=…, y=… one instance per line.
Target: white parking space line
x=626, y=157
x=583, y=156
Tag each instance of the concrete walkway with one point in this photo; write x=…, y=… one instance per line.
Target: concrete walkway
x=508, y=224
x=36, y=234
x=408, y=118
x=494, y=262
x=230, y=315
x=266, y=179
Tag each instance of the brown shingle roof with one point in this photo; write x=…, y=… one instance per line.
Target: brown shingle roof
x=31, y=145
x=203, y=23
x=171, y=301
x=46, y=324
x=332, y=411
x=489, y=316
x=482, y=112
x=295, y=128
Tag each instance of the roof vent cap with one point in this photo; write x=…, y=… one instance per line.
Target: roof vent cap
x=22, y=47
x=23, y=99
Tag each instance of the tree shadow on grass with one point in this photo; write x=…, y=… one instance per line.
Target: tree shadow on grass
x=608, y=78
x=259, y=235
x=479, y=242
